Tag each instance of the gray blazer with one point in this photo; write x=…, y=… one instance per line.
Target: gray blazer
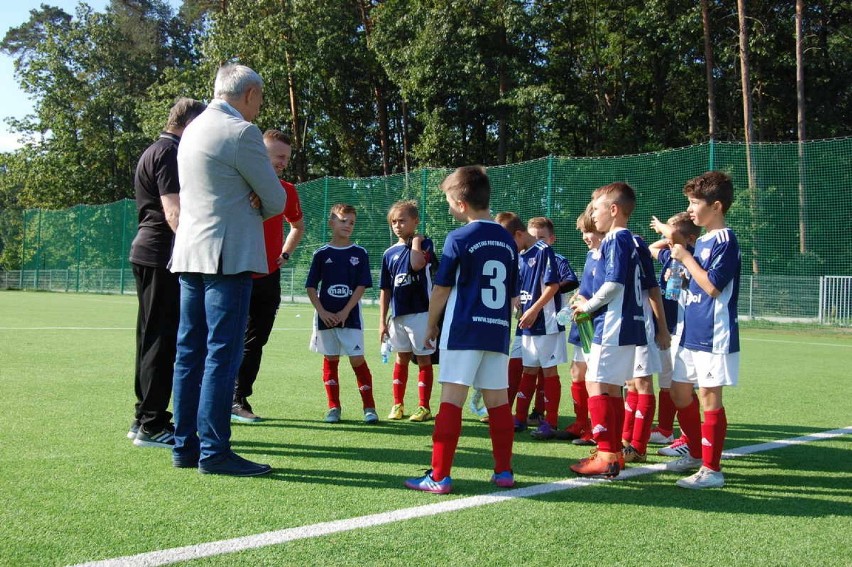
x=221, y=159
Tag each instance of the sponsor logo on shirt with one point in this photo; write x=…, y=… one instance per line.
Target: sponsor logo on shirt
x=402, y=280
x=526, y=297
x=339, y=290
x=329, y=261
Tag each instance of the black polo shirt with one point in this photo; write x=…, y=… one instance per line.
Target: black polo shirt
x=156, y=175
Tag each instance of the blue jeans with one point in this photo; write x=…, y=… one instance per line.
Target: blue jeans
x=213, y=314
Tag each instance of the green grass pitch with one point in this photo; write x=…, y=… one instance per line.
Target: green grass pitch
x=75, y=489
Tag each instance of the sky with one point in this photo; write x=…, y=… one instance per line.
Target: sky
x=16, y=104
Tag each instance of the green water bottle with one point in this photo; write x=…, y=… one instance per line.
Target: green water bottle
x=586, y=330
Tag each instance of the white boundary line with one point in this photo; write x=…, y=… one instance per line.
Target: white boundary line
x=166, y=556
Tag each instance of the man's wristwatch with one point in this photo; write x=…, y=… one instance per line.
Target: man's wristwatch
x=285, y=256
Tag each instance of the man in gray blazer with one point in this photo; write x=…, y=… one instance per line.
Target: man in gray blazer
x=218, y=245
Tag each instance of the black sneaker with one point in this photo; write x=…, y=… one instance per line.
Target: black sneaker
x=164, y=439
x=241, y=412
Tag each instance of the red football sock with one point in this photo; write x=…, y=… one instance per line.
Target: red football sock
x=425, y=378
x=400, y=379
x=540, y=394
x=645, y=407
x=616, y=410
x=552, y=396
x=330, y=379
x=689, y=418
x=502, y=431
x=365, y=385
x=629, y=415
x=667, y=410
x=580, y=396
x=516, y=368
x=445, y=438
x=713, y=432
x=599, y=408
x=525, y=394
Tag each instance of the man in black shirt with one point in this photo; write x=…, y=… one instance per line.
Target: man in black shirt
x=158, y=290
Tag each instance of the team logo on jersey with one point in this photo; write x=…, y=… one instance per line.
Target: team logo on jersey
x=401, y=280
x=705, y=254
x=531, y=262
x=339, y=291
x=354, y=260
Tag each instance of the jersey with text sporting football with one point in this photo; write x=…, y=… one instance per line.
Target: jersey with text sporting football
x=585, y=289
x=335, y=273
x=709, y=324
x=409, y=289
x=620, y=322
x=480, y=263
x=537, y=269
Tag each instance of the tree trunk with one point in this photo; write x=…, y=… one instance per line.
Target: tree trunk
x=749, y=128
x=299, y=161
x=800, y=115
x=708, y=63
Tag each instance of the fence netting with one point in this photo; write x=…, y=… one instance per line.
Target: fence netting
x=793, y=225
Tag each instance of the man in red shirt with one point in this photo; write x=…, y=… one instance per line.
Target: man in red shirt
x=266, y=288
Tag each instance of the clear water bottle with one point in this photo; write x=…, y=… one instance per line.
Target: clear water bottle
x=386, y=350
x=675, y=281
x=564, y=316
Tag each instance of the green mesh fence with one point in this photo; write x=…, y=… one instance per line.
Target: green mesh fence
x=85, y=248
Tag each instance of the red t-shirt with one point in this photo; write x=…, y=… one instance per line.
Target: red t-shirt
x=273, y=227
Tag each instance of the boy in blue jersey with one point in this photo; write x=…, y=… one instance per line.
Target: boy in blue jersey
x=709, y=350
x=405, y=288
x=477, y=284
x=542, y=228
x=542, y=337
x=580, y=432
x=663, y=433
x=616, y=308
x=640, y=403
x=337, y=279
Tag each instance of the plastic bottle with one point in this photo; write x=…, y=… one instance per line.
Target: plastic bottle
x=386, y=350
x=675, y=281
x=586, y=330
x=564, y=316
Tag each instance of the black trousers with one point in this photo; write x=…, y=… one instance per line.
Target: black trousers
x=158, y=291
x=265, y=299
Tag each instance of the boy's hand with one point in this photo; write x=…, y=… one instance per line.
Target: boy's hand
x=383, y=331
x=431, y=340
x=528, y=318
x=254, y=200
x=342, y=315
x=657, y=225
x=577, y=305
x=329, y=319
x=679, y=252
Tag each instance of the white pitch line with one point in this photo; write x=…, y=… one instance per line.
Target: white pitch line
x=190, y=552
x=795, y=342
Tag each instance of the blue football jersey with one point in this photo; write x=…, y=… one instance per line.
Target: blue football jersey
x=409, y=290
x=537, y=268
x=585, y=289
x=335, y=273
x=647, y=281
x=711, y=325
x=621, y=321
x=480, y=263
